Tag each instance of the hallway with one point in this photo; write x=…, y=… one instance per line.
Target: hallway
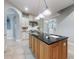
x=17, y=50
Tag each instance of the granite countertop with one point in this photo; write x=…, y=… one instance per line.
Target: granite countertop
x=49, y=39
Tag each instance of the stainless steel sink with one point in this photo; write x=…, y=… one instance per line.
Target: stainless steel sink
x=54, y=36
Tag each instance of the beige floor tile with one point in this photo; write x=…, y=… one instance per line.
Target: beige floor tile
x=17, y=50
x=8, y=57
x=18, y=57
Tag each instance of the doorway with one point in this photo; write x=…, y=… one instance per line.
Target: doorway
x=12, y=24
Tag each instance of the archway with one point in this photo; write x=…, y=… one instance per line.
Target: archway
x=12, y=24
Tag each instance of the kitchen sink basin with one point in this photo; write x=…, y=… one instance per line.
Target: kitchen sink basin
x=54, y=36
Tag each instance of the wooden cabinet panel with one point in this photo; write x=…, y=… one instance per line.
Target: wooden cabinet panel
x=42, y=50
x=38, y=49
x=30, y=41
x=33, y=44
x=50, y=51
x=36, y=46
x=55, y=52
x=64, y=49
x=47, y=51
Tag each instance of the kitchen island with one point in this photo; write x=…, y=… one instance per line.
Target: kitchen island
x=46, y=46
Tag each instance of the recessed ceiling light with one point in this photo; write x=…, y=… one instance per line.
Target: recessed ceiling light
x=26, y=9
x=47, y=12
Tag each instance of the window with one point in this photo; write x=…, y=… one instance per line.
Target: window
x=51, y=26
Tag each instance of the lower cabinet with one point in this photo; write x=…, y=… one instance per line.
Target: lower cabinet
x=54, y=51
x=64, y=49
x=33, y=44
x=42, y=50
x=49, y=51
x=37, y=48
x=30, y=41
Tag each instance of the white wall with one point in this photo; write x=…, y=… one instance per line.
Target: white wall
x=6, y=6
x=65, y=26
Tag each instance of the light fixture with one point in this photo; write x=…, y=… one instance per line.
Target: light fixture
x=26, y=9
x=41, y=16
x=37, y=18
x=46, y=12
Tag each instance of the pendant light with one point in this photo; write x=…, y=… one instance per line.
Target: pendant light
x=47, y=12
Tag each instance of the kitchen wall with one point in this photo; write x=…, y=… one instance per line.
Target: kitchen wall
x=41, y=25
x=6, y=6
x=65, y=26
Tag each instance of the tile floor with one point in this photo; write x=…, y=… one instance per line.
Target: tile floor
x=17, y=50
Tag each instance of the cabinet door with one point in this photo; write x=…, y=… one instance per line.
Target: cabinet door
x=47, y=51
x=33, y=44
x=64, y=49
x=55, y=51
x=36, y=47
x=44, y=51
x=30, y=41
x=42, y=55
x=50, y=51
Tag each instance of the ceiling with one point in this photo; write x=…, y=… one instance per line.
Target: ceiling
x=37, y=6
